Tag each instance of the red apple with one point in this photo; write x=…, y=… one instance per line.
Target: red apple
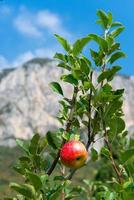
x=73, y=154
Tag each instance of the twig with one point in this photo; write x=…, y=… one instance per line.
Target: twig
x=115, y=166
x=63, y=191
x=70, y=175
x=68, y=126
x=62, y=195
x=90, y=137
x=54, y=163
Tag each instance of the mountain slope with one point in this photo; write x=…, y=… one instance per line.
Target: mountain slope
x=27, y=104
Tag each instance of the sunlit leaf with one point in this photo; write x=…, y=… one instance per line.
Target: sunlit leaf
x=80, y=44
x=116, y=56
x=70, y=79
x=63, y=42
x=116, y=32
x=56, y=87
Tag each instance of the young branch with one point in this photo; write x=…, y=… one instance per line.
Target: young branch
x=62, y=195
x=90, y=136
x=63, y=190
x=71, y=173
x=115, y=166
x=68, y=126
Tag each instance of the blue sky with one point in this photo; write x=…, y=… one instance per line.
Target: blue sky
x=27, y=27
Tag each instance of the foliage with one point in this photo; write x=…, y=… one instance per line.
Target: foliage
x=95, y=108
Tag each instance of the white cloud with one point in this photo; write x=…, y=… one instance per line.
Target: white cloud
x=45, y=52
x=39, y=23
x=48, y=20
x=24, y=24
x=35, y=24
x=51, y=22
x=26, y=56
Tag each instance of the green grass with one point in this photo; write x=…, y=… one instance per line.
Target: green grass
x=8, y=157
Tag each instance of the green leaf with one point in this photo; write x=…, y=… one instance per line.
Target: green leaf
x=116, y=32
x=127, y=195
x=97, y=57
x=70, y=79
x=34, y=144
x=23, y=144
x=112, y=108
x=110, y=18
x=77, y=74
x=59, y=178
x=104, y=18
x=56, y=87
x=63, y=42
x=105, y=152
x=126, y=155
x=116, y=56
x=64, y=66
x=56, y=195
x=110, y=195
x=106, y=89
x=129, y=184
x=24, y=158
x=108, y=74
x=94, y=154
x=42, y=144
x=54, y=138
x=35, y=180
x=44, y=179
x=61, y=57
x=113, y=48
x=84, y=66
x=94, y=54
x=117, y=125
x=79, y=45
x=100, y=41
x=87, y=61
x=19, y=170
x=24, y=189
x=88, y=85
x=71, y=60
x=110, y=41
x=50, y=138
x=114, y=24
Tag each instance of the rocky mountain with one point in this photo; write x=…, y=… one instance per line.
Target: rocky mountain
x=27, y=104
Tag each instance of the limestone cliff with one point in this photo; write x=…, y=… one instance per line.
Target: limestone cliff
x=27, y=104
